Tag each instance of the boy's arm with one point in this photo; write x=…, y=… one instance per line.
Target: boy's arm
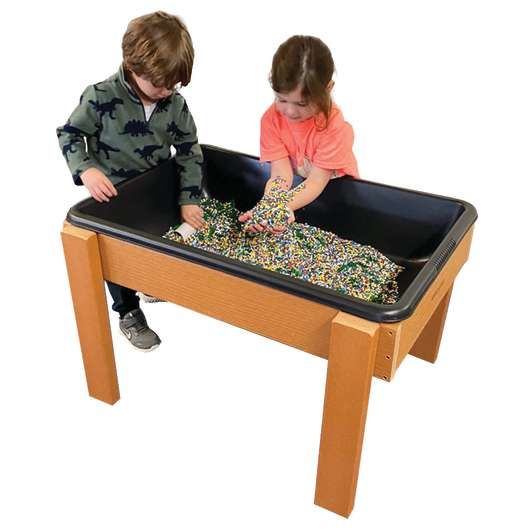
x=82, y=124
x=189, y=158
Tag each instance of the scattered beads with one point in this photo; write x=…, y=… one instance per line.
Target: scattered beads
x=272, y=210
x=301, y=251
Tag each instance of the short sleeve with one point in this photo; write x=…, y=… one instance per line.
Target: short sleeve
x=335, y=147
x=271, y=145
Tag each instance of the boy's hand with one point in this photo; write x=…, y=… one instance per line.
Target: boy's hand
x=99, y=186
x=193, y=215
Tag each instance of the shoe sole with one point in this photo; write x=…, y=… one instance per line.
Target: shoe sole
x=149, y=299
x=136, y=347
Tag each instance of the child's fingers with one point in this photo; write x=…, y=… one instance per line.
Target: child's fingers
x=198, y=215
x=245, y=217
x=96, y=196
x=100, y=197
x=110, y=187
x=198, y=220
x=104, y=192
x=110, y=190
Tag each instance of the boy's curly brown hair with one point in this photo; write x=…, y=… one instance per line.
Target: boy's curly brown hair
x=158, y=47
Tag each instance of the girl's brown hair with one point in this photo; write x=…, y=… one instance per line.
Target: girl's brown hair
x=306, y=62
x=158, y=47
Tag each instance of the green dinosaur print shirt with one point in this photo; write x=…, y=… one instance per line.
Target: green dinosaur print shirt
x=109, y=131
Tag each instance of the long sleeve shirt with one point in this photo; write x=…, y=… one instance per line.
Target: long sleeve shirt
x=109, y=131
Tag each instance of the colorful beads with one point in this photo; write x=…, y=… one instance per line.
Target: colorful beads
x=301, y=251
x=272, y=210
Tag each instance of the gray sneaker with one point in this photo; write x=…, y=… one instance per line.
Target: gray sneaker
x=134, y=326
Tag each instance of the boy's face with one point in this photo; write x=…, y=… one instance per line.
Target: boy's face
x=294, y=107
x=150, y=93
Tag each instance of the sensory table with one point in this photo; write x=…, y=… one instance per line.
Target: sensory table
x=430, y=236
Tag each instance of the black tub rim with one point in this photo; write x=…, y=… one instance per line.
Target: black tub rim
x=381, y=313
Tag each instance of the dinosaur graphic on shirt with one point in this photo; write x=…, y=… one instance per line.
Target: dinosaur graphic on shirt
x=184, y=149
x=136, y=127
x=147, y=152
x=163, y=105
x=100, y=127
x=69, y=148
x=108, y=107
x=69, y=129
x=175, y=131
x=106, y=148
x=195, y=191
x=123, y=173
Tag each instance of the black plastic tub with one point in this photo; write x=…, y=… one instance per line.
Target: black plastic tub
x=416, y=230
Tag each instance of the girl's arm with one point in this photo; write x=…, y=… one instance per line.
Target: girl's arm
x=280, y=169
x=314, y=186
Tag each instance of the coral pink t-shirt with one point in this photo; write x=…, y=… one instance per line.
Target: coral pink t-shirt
x=307, y=146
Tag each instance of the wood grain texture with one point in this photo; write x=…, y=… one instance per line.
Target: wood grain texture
x=427, y=344
x=410, y=329
x=269, y=312
x=356, y=349
x=350, y=368
x=90, y=306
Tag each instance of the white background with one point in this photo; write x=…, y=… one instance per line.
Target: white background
x=219, y=428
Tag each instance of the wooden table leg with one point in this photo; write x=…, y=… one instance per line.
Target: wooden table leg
x=428, y=343
x=88, y=294
x=351, y=363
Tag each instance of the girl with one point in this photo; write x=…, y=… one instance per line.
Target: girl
x=303, y=131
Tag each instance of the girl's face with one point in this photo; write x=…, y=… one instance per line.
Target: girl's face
x=294, y=107
x=149, y=92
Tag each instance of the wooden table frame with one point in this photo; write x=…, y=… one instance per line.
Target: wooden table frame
x=356, y=349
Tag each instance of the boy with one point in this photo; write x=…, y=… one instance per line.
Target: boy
x=126, y=125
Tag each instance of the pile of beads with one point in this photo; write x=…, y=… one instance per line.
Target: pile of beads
x=272, y=210
x=301, y=251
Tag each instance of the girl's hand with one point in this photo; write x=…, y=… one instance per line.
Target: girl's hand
x=193, y=215
x=280, y=229
x=98, y=185
x=254, y=228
